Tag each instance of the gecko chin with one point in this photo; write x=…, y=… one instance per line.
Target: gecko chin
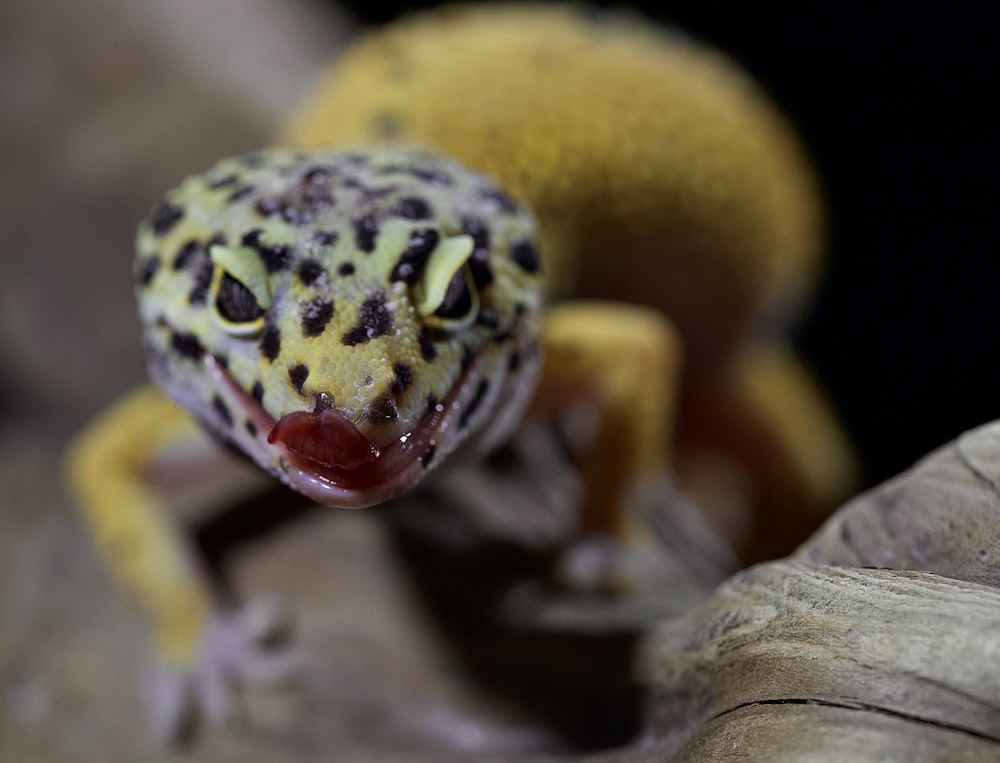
x=324, y=456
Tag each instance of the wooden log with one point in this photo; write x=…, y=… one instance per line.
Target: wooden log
x=941, y=515
x=905, y=655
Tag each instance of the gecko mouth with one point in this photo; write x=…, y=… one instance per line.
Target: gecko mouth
x=324, y=456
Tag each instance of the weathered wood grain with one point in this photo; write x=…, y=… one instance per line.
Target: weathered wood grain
x=942, y=515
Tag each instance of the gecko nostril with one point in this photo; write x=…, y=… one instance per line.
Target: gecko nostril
x=382, y=410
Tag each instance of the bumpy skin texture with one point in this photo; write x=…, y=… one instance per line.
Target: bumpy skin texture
x=392, y=288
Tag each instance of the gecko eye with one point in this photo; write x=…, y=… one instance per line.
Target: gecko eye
x=236, y=308
x=234, y=301
x=447, y=297
x=239, y=291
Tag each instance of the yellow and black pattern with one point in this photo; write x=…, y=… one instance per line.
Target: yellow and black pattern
x=362, y=281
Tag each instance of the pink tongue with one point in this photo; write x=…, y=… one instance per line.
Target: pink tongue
x=332, y=444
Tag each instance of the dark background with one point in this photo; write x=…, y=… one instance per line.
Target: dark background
x=896, y=102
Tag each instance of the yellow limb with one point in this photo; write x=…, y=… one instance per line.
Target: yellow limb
x=625, y=361
x=106, y=467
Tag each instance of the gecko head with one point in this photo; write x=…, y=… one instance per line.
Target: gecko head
x=346, y=319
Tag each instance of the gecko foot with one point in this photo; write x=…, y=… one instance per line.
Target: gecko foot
x=236, y=647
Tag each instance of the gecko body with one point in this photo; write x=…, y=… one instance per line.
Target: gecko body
x=393, y=289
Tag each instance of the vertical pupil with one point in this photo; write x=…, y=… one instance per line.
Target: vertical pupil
x=457, y=301
x=235, y=302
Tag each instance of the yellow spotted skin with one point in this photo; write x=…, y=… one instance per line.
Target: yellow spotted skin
x=448, y=175
x=326, y=275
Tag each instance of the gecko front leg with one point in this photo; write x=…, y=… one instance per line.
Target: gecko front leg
x=622, y=364
x=199, y=649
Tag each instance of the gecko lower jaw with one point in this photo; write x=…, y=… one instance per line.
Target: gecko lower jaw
x=323, y=455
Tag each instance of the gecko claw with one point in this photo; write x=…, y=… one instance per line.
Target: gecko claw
x=236, y=648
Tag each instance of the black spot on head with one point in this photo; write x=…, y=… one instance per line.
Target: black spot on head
x=240, y=193
x=185, y=254
x=220, y=407
x=222, y=182
x=251, y=428
x=412, y=208
x=315, y=315
x=524, y=254
x=257, y=391
x=314, y=196
x=374, y=320
x=346, y=269
x=474, y=403
x=427, y=349
x=276, y=257
x=270, y=342
x=316, y=174
x=382, y=410
x=164, y=217
x=310, y=271
x=252, y=238
x=201, y=279
x=269, y=207
x=298, y=215
x=302, y=213
x=503, y=202
x=433, y=176
x=404, y=376
x=514, y=361
x=411, y=262
x=147, y=270
x=221, y=360
x=365, y=233
x=298, y=375
x=479, y=260
x=186, y=345
x=326, y=237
